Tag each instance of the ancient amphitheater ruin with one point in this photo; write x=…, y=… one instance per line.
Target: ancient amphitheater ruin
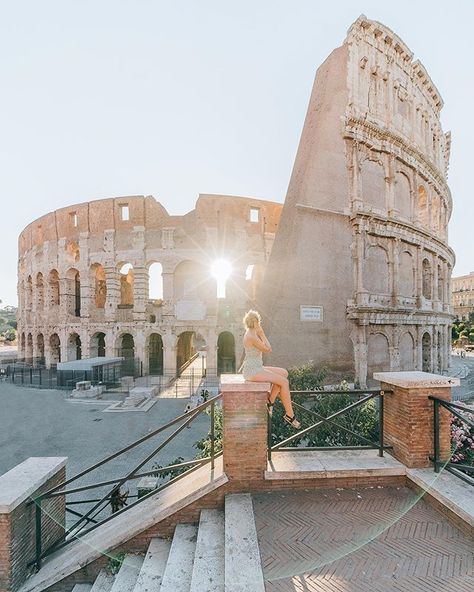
x=121, y=277
x=357, y=279
x=363, y=232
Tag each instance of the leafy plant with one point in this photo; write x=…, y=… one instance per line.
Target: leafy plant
x=115, y=563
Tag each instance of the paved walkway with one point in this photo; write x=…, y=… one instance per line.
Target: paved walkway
x=374, y=539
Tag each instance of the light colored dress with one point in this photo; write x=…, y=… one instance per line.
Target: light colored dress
x=253, y=362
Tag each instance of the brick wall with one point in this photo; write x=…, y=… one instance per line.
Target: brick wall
x=408, y=424
x=18, y=533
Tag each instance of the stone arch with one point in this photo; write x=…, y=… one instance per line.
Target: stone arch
x=378, y=357
x=73, y=280
x=423, y=207
x=39, y=288
x=155, y=281
x=189, y=279
x=40, y=349
x=155, y=354
x=125, y=345
x=185, y=349
x=427, y=288
x=407, y=274
x=55, y=348
x=374, y=184
x=74, y=347
x=97, y=345
x=100, y=285
x=73, y=254
x=53, y=282
x=426, y=352
x=403, y=195
x=225, y=352
x=376, y=270
x=435, y=212
x=127, y=285
x=407, y=352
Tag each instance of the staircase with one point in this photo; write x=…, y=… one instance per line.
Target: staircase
x=221, y=553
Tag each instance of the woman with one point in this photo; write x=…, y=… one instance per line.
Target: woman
x=256, y=342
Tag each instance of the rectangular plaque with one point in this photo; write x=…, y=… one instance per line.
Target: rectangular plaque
x=311, y=313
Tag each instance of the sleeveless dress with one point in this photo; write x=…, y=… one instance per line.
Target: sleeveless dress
x=253, y=362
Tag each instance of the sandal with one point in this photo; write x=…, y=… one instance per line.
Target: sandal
x=270, y=407
x=292, y=421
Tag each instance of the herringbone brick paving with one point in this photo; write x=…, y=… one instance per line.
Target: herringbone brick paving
x=366, y=540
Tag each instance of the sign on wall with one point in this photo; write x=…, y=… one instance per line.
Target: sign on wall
x=311, y=313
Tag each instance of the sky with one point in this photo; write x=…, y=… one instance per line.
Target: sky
x=103, y=98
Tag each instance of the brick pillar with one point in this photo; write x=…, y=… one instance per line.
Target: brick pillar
x=245, y=428
x=408, y=415
x=17, y=516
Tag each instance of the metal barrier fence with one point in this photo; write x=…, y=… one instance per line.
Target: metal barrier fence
x=465, y=417
x=107, y=502
x=342, y=426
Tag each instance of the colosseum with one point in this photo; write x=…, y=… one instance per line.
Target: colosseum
x=359, y=274
x=356, y=278
x=122, y=277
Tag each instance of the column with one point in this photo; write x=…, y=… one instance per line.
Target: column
x=408, y=415
x=169, y=353
x=140, y=288
x=244, y=428
x=211, y=355
x=168, y=292
x=112, y=280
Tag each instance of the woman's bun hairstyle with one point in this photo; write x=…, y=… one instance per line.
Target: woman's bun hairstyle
x=251, y=319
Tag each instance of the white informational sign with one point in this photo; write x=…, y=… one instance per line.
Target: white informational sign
x=311, y=313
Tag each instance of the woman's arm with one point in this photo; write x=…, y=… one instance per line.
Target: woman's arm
x=263, y=346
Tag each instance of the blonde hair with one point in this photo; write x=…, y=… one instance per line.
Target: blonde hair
x=251, y=318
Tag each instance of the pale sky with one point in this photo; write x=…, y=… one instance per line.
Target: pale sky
x=102, y=98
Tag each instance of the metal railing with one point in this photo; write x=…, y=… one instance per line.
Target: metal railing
x=113, y=497
x=461, y=470
x=293, y=442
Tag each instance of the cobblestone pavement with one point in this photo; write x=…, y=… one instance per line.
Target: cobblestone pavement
x=374, y=539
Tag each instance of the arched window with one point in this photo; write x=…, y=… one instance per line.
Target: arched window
x=127, y=281
x=373, y=184
x=376, y=271
x=155, y=281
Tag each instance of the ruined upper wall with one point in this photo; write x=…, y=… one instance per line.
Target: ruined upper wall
x=95, y=217
x=389, y=89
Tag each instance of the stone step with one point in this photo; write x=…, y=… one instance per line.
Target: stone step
x=153, y=568
x=127, y=575
x=103, y=582
x=243, y=568
x=208, y=568
x=179, y=567
x=82, y=588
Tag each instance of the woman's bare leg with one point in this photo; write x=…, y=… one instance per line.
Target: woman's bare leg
x=276, y=378
x=276, y=388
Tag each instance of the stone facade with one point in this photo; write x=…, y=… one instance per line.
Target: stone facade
x=362, y=243
x=463, y=295
x=121, y=276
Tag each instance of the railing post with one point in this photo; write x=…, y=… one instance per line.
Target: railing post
x=436, y=446
x=269, y=436
x=381, y=438
x=38, y=533
x=212, y=435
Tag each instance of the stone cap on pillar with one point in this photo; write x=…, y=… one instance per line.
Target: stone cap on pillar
x=236, y=382
x=416, y=379
x=26, y=478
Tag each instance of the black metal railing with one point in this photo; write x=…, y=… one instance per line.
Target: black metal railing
x=462, y=470
x=105, y=506
x=301, y=399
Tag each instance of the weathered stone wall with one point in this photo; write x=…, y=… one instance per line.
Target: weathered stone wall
x=363, y=232
x=74, y=300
